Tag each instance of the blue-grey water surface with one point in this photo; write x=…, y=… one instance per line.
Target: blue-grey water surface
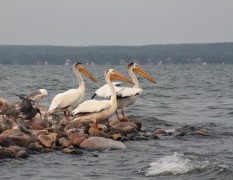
x=185, y=97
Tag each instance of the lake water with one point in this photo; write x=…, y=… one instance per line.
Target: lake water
x=185, y=97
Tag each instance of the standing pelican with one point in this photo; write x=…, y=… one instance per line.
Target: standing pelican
x=126, y=96
x=93, y=110
x=70, y=99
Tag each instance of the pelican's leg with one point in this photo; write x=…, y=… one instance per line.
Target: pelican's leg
x=123, y=114
x=118, y=117
x=64, y=113
x=68, y=114
x=95, y=125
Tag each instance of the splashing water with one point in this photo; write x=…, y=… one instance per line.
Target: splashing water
x=174, y=165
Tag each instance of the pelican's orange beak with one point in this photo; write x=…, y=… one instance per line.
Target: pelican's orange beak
x=118, y=76
x=86, y=73
x=144, y=74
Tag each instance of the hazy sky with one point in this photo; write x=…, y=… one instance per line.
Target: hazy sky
x=115, y=22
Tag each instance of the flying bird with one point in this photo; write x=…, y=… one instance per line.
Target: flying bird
x=94, y=110
x=126, y=96
x=69, y=100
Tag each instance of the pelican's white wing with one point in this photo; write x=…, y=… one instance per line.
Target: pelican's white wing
x=128, y=92
x=105, y=92
x=64, y=100
x=92, y=106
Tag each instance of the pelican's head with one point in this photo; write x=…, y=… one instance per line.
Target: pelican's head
x=114, y=75
x=83, y=70
x=43, y=92
x=134, y=67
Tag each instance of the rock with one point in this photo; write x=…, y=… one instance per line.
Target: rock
x=138, y=123
x=95, y=132
x=69, y=150
x=117, y=137
x=19, y=152
x=182, y=133
x=159, y=131
x=6, y=153
x=6, y=142
x=201, y=131
x=100, y=143
x=36, y=146
x=4, y=104
x=64, y=142
x=19, y=138
x=125, y=127
x=46, y=150
x=48, y=140
x=5, y=123
x=76, y=139
x=38, y=124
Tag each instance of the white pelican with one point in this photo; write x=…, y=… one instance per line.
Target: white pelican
x=70, y=99
x=126, y=96
x=93, y=110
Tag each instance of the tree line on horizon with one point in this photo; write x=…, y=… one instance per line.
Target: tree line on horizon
x=216, y=53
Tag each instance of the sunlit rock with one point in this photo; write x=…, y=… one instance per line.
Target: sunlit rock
x=100, y=143
x=4, y=104
x=5, y=123
x=96, y=132
x=48, y=140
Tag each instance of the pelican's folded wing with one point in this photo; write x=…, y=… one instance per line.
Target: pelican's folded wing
x=91, y=106
x=128, y=92
x=105, y=92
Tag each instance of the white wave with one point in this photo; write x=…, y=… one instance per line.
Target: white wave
x=174, y=164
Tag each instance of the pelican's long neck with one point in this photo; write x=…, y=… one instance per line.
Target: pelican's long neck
x=80, y=79
x=134, y=78
x=112, y=89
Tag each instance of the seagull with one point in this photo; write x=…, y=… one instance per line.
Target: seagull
x=93, y=110
x=126, y=96
x=69, y=100
x=37, y=95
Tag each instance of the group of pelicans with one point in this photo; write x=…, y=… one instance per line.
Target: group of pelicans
x=116, y=97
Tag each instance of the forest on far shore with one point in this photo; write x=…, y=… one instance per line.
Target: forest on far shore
x=217, y=53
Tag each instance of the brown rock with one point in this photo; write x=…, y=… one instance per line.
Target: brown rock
x=125, y=127
x=96, y=132
x=5, y=123
x=117, y=137
x=36, y=146
x=48, y=140
x=159, y=131
x=6, y=142
x=4, y=103
x=69, y=150
x=19, y=152
x=38, y=124
x=64, y=142
x=100, y=143
x=19, y=138
x=76, y=139
x=201, y=131
x=6, y=153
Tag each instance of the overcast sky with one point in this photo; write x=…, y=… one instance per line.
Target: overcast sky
x=115, y=22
